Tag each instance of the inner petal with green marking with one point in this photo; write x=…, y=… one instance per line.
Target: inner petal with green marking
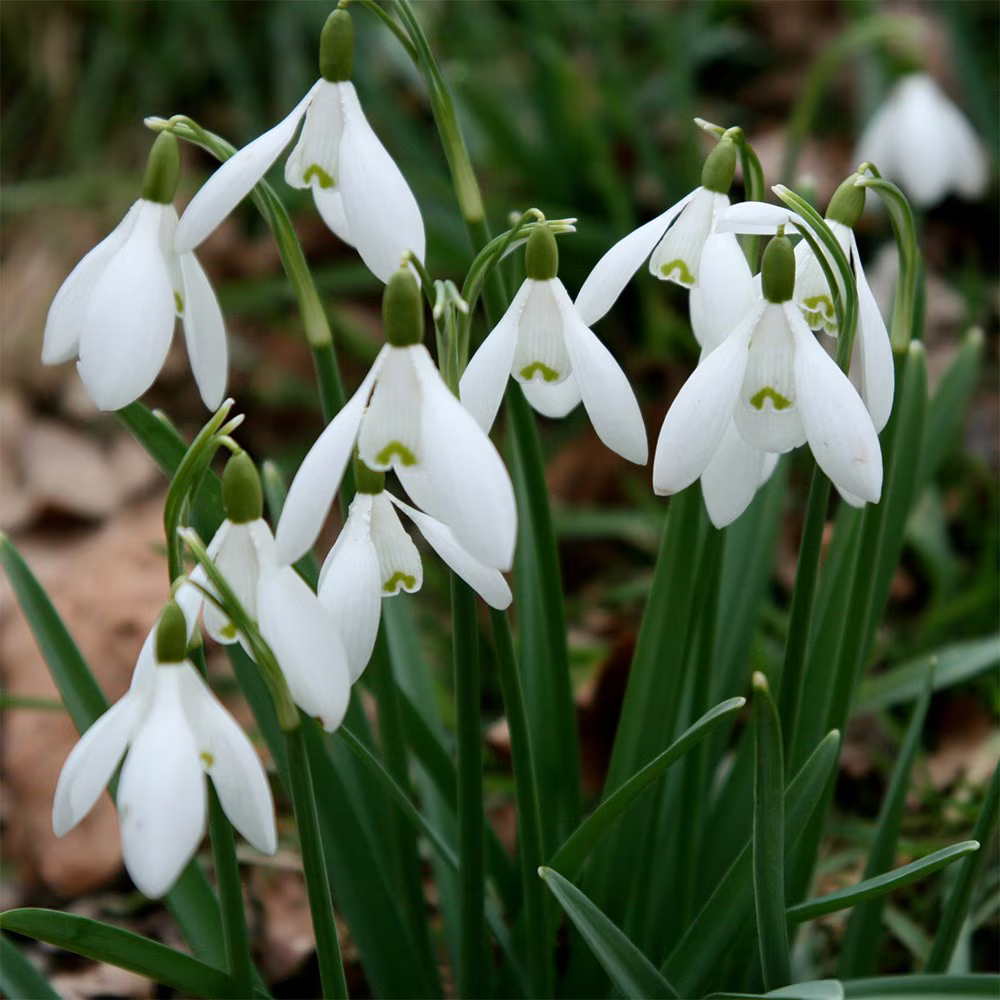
x=539, y=368
x=323, y=179
x=678, y=270
x=394, y=450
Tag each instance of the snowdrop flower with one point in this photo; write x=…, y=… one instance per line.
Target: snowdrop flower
x=675, y=239
x=116, y=310
x=921, y=140
x=773, y=379
x=375, y=558
x=172, y=731
x=304, y=638
x=404, y=417
x=545, y=345
x=358, y=190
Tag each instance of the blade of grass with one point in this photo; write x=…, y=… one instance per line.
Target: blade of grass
x=923, y=987
x=19, y=979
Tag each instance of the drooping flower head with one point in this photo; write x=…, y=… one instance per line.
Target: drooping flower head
x=172, y=731
x=116, y=310
x=357, y=188
x=555, y=357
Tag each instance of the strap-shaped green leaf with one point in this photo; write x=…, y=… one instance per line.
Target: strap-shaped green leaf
x=923, y=987
x=629, y=970
x=19, y=979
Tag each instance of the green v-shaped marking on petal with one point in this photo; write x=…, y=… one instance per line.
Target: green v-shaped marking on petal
x=179, y=303
x=684, y=275
x=397, y=580
x=547, y=373
x=230, y=631
x=406, y=457
x=780, y=402
x=315, y=170
x=206, y=758
x=818, y=303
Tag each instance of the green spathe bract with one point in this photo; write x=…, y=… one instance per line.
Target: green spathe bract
x=242, y=496
x=403, y=310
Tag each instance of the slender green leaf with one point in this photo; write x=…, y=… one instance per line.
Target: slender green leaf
x=872, y=888
x=122, y=948
x=818, y=989
x=19, y=979
x=629, y=970
x=923, y=987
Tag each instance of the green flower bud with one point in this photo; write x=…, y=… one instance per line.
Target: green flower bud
x=403, y=310
x=336, y=47
x=719, y=167
x=163, y=169
x=171, y=635
x=847, y=203
x=541, y=256
x=778, y=270
x=242, y=497
x=367, y=480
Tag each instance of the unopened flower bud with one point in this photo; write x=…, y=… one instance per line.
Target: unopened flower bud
x=171, y=635
x=336, y=47
x=541, y=256
x=367, y=480
x=403, y=310
x=847, y=203
x=778, y=270
x=720, y=167
x=163, y=168
x=242, y=497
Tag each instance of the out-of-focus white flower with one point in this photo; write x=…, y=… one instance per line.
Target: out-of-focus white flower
x=545, y=345
x=358, y=189
x=172, y=731
x=116, y=310
x=404, y=417
x=919, y=139
x=673, y=241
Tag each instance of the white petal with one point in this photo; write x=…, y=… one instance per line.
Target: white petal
x=399, y=562
x=554, y=401
x=204, y=333
x=382, y=214
x=161, y=794
x=873, y=350
x=235, y=556
x=757, y=217
x=129, y=317
x=702, y=410
x=350, y=586
x=724, y=293
x=234, y=180
x=731, y=477
x=485, y=378
x=315, y=484
x=313, y=160
x=389, y=435
x=330, y=205
x=540, y=354
x=484, y=580
x=65, y=319
x=616, y=267
x=229, y=759
x=839, y=429
x=305, y=640
x=92, y=762
x=607, y=395
x=472, y=491
x=677, y=256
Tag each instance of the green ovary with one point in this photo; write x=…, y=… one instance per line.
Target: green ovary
x=536, y=367
x=324, y=180
x=683, y=272
x=406, y=457
x=397, y=580
x=777, y=400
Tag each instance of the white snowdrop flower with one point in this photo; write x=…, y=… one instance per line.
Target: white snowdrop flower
x=172, y=731
x=116, y=310
x=304, y=638
x=374, y=558
x=673, y=241
x=773, y=380
x=919, y=139
x=358, y=189
x=545, y=345
x=404, y=417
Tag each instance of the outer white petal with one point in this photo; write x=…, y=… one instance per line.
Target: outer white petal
x=485, y=378
x=330, y=205
x=472, y=491
x=235, y=555
x=318, y=149
x=758, y=217
x=724, y=293
x=65, y=319
x=554, y=401
x=92, y=762
x=350, y=586
x=731, y=477
x=702, y=410
x=307, y=644
x=607, y=395
x=204, y=333
x=161, y=794
x=315, y=484
x=839, y=429
x=484, y=580
x=229, y=759
x=616, y=267
x=129, y=317
x=678, y=253
x=233, y=181
x=382, y=214
x=390, y=433
x=876, y=376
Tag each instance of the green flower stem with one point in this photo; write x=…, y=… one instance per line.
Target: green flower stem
x=331, y=966
x=529, y=830
x=472, y=977
x=227, y=875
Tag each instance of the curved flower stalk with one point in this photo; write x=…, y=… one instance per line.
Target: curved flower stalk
x=116, y=310
x=673, y=241
x=555, y=357
x=405, y=418
x=920, y=139
x=172, y=731
x=374, y=558
x=358, y=189
x=771, y=378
